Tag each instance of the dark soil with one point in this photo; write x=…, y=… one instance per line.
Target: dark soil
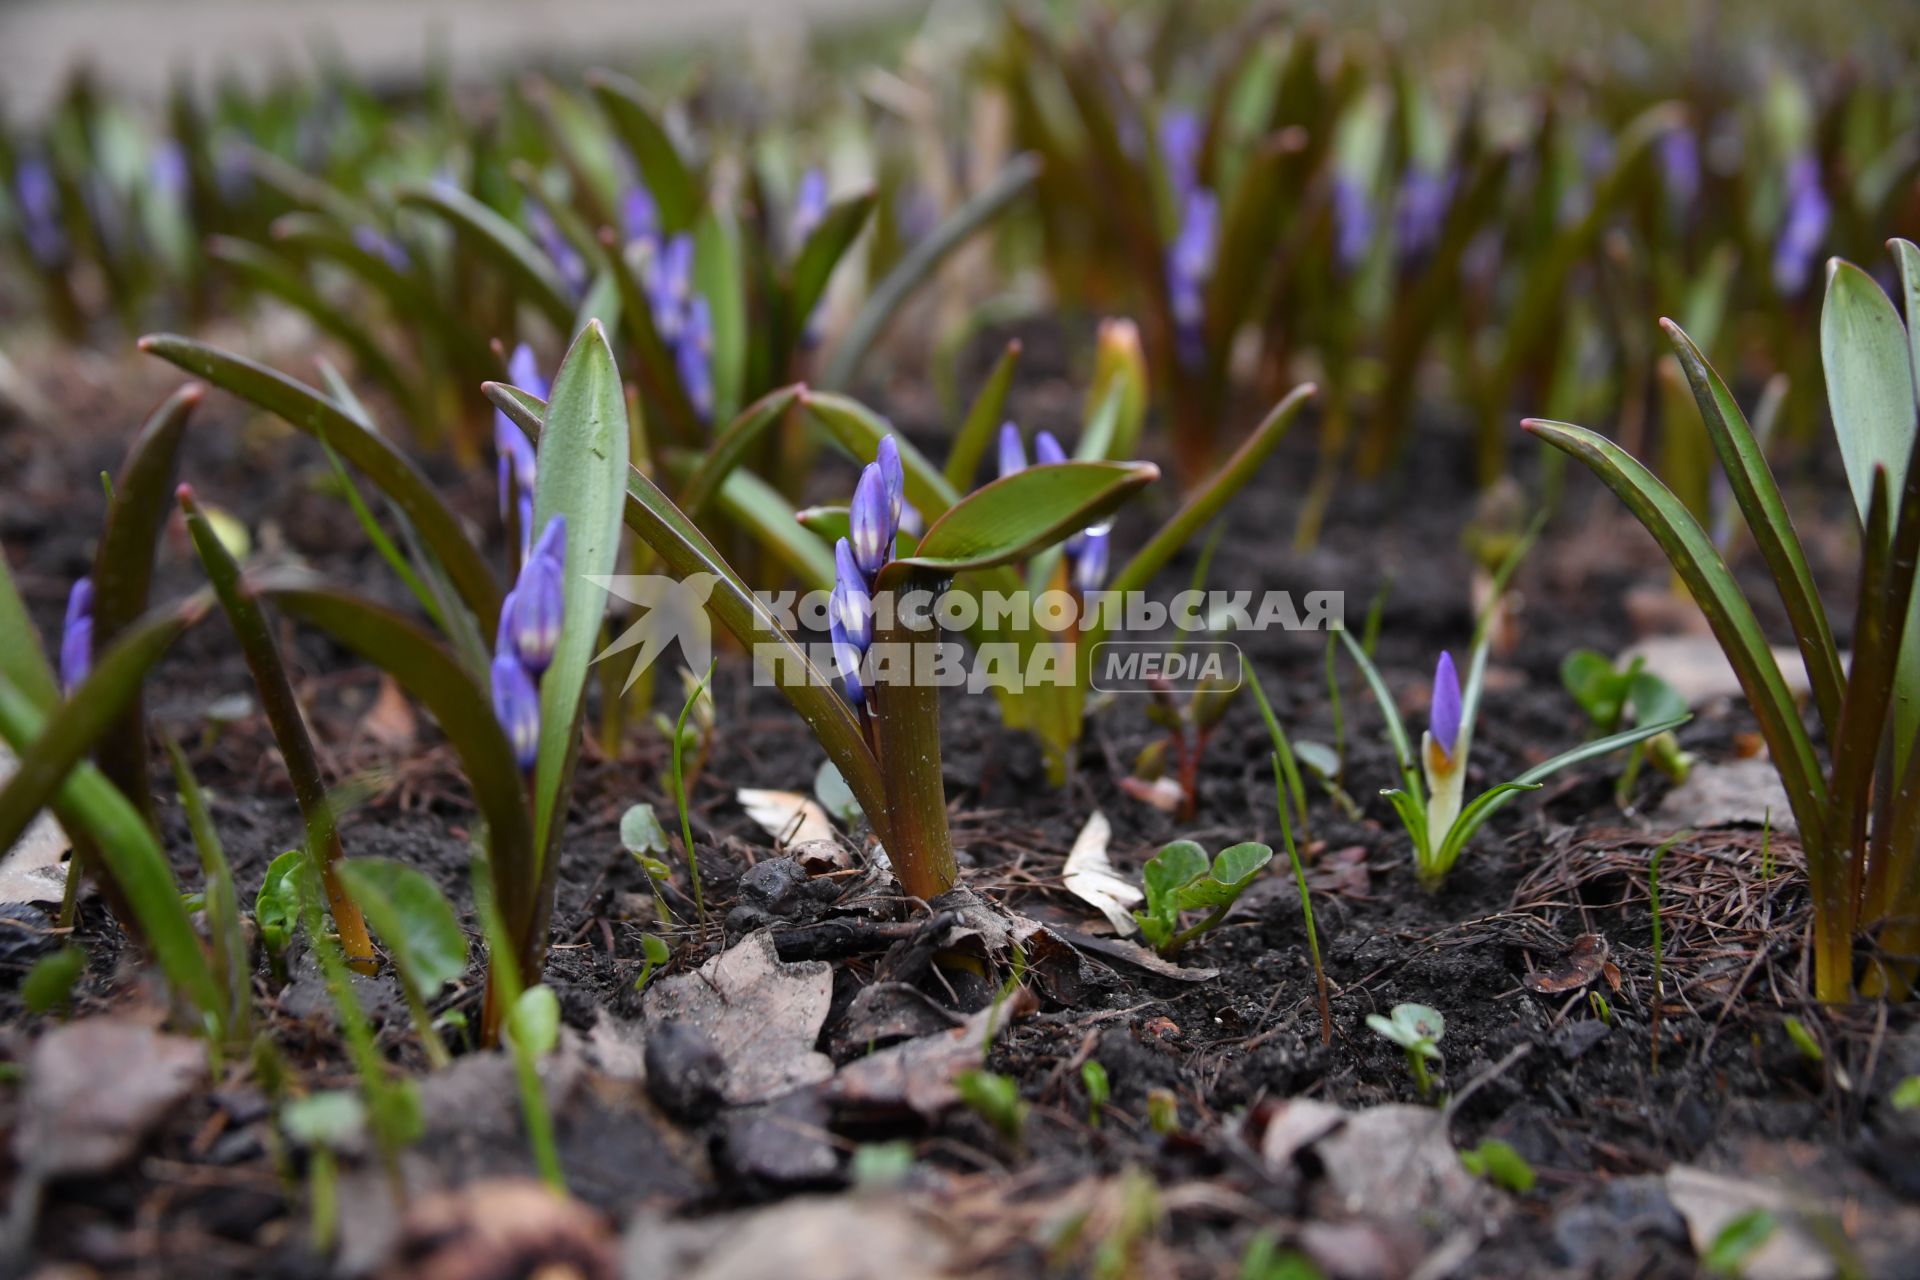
x=1574, y=1093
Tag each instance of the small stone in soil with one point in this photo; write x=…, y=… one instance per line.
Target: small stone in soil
x=778, y=890
x=685, y=1071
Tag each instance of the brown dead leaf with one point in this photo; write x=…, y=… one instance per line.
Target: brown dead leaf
x=94, y=1090
x=1581, y=964
x=391, y=721
x=762, y=1015
x=918, y=1076
x=501, y=1229
x=789, y=817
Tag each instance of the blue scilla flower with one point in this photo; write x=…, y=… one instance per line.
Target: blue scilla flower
x=516, y=700
x=1352, y=222
x=514, y=453
x=531, y=616
x=1012, y=451
x=76, y=636
x=1190, y=262
x=693, y=357
x=1804, y=228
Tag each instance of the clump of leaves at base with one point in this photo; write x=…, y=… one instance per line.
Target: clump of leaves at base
x=1181, y=878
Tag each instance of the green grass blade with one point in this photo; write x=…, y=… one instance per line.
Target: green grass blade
x=731, y=447
x=983, y=420
x=534, y=277
x=232, y=965
x=1692, y=554
x=391, y=471
x=1396, y=727
x=860, y=430
x=720, y=276
x=839, y=227
x=23, y=663
x=668, y=177
x=1018, y=515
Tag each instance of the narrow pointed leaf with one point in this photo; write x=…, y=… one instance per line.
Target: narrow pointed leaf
x=669, y=179
x=720, y=276
x=534, y=275
x=839, y=227
x=1020, y=514
x=731, y=447
x=860, y=430
x=982, y=421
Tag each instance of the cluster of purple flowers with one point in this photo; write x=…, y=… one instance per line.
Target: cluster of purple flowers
x=1087, y=551
x=76, y=637
x=529, y=633
x=36, y=197
x=873, y=523
x=1804, y=230
x=682, y=318
x=513, y=453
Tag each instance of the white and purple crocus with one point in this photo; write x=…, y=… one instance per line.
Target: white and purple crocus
x=873, y=524
x=76, y=637
x=528, y=636
x=1443, y=755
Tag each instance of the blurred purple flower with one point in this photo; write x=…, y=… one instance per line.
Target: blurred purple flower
x=76, y=636
x=1181, y=134
x=1804, y=229
x=1013, y=451
x=566, y=258
x=1443, y=719
x=693, y=357
x=514, y=453
x=1087, y=557
x=1189, y=267
x=1047, y=450
x=1679, y=154
x=809, y=207
x=376, y=242
x=37, y=196
x=167, y=168
x=639, y=215
x=1420, y=213
x=1352, y=222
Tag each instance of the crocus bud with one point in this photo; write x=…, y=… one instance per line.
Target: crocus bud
x=516, y=705
x=1013, y=452
x=850, y=606
x=888, y=459
x=1090, y=559
x=76, y=636
x=535, y=606
x=1047, y=450
x=847, y=655
x=870, y=526
x=1443, y=720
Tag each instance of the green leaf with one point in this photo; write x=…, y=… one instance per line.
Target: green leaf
x=88, y=804
x=731, y=447
x=1390, y=713
x=1233, y=870
x=719, y=275
x=1173, y=869
x=835, y=796
x=1653, y=699
x=535, y=278
x=1738, y=1241
x=1907, y=255
x=23, y=663
x=838, y=228
x=49, y=984
x=412, y=918
x=232, y=964
x=860, y=431
x=640, y=831
x=330, y=1119
x=1906, y=1095
x=276, y=909
x=1868, y=361
x=1500, y=1164
x=920, y=262
x=1692, y=554
x=983, y=420
x=534, y=1024
x=391, y=471
x=1018, y=515
x=1744, y=462
x=669, y=179
x=123, y=571
x=583, y=462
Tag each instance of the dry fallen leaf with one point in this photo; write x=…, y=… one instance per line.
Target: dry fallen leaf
x=1089, y=875
x=1164, y=794
x=763, y=1016
x=33, y=870
x=1737, y=792
x=919, y=1074
x=1582, y=964
x=789, y=817
x=391, y=721
x=1710, y=1201
x=499, y=1229
x=95, y=1088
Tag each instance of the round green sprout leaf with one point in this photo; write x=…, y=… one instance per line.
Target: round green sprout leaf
x=1318, y=757
x=1175, y=867
x=1655, y=700
x=49, y=984
x=1414, y=1027
x=641, y=833
x=1906, y=1094
x=277, y=909
x=330, y=1119
x=1237, y=864
x=412, y=918
x=835, y=796
x=656, y=949
x=534, y=1023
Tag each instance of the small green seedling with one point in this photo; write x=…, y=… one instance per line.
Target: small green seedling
x=657, y=953
x=1417, y=1030
x=1099, y=1090
x=1601, y=1009
x=1803, y=1041
x=1737, y=1242
x=1906, y=1094
x=997, y=1100
x=276, y=909
x=1179, y=878
x=1500, y=1164
x=49, y=984
x=1610, y=695
x=694, y=699
x=1163, y=1111
x=882, y=1166
x=1266, y=1260
x=324, y=1123
x=417, y=926
x=642, y=836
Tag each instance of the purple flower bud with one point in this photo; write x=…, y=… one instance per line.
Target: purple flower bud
x=1090, y=559
x=526, y=525
x=870, y=525
x=517, y=467
x=639, y=215
x=911, y=522
x=1181, y=133
x=371, y=240
x=850, y=606
x=37, y=195
x=693, y=357
x=1421, y=213
x=1680, y=165
x=167, y=168
x=847, y=657
x=888, y=460
x=516, y=705
x=76, y=636
x=1804, y=229
x=533, y=609
x=809, y=207
x=670, y=285
x=1013, y=451
x=1352, y=222
x=1047, y=450
x=1443, y=718
x=1190, y=260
